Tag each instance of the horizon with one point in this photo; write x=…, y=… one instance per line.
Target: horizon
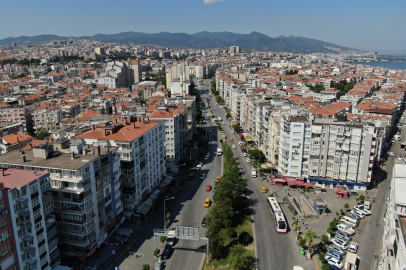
x=363, y=25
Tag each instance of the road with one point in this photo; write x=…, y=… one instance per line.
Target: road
x=190, y=254
x=372, y=227
x=273, y=250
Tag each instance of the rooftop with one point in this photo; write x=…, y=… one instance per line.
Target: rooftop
x=12, y=178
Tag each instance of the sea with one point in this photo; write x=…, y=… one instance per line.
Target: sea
x=391, y=65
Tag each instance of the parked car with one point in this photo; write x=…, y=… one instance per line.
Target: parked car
x=167, y=252
x=248, y=160
x=208, y=187
x=244, y=154
x=344, y=234
x=203, y=176
x=335, y=262
x=240, y=143
x=232, y=131
x=337, y=249
x=206, y=157
x=339, y=243
x=342, y=238
x=359, y=213
x=233, y=146
x=333, y=254
x=391, y=153
x=356, y=217
x=199, y=166
x=363, y=209
x=353, y=247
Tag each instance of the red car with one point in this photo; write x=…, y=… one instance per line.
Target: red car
x=208, y=187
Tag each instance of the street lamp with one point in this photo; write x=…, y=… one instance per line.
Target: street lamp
x=165, y=211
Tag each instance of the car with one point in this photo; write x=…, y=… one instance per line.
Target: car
x=207, y=202
x=333, y=254
x=342, y=238
x=170, y=241
x=336, y=249
x=199, y=166
x=353, y=216
x=391, y=154
x=248, y=160
x=362, y=209
x=231, y=139
x=339, y=243
x=218, y=178
x=232, y=131
x=359, y=213
x=263, y=189
x=233, y=146
x=204, y=221
x=344, y=234
x=244, y=154
x=208, y=153
x=253, y=169
x=203, y=176
x=353, y=247
x=167, y=252
x=240, y=143
x=335, y=262
x=208, y=187
x=206, y=157
x=191, y=175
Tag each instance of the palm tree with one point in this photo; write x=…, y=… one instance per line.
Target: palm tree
x=310, y=237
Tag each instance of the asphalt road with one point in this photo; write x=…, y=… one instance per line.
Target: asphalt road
x=371, y=228
x=189, y=254
x=273, y=250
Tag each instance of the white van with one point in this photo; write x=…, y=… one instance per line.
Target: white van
x=253, y=172
x=350, y=221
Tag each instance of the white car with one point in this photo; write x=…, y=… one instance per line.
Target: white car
x=222, y=123
x=203, y=176
x=363, y=210
x=199, y=166
x=206, y=157
x=335, y=262
x=391, y=154
x=240, y=143
x=248, y=160
x=244, y=154
x=232, y=131
x=233, y=146
x=359, y=213
x=336, y=249
x=339, y=243
x=253, y=169
x=353, y=247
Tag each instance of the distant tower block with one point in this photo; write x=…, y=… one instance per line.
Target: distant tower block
x=375, y=56
x=13, y=44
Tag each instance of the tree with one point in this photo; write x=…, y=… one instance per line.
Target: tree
x=325, y=267
x=346, y=206
x=310, y=237
x=240, y=259
x=362, y=198
x=231, y=232
x=324, y=238
x=245, y=238
x=216, y=246
x=156, y=252
x=42, y=134
x=236, y=127
x=302, y=243
x=322, y=257
x=146, y=267
x=162, y=239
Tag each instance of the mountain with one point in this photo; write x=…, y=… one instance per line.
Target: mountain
x=201, y=40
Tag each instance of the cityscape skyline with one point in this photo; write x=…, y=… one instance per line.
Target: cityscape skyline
x=374, y=26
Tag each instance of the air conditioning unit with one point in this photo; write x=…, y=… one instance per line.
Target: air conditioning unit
x=4, y=212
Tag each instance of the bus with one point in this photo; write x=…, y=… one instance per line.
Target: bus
x=277, y=212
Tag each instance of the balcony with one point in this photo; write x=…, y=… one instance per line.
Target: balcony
x=48, y=211
x=30, y=249
x=6, y=252
x=52, y=243
x=45, y=187
x=24, y=213
x=27, y=237
x=30, y=261
x=25, y=224
x=51, y=233
x=22, y=199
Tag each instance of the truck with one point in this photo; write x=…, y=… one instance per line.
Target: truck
x=219, y=118
x=346, y=228
x=219, y=151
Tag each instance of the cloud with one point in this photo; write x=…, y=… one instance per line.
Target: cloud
x=208, y=2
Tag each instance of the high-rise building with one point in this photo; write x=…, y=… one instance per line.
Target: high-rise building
x=85, y=190
x=32, y=225
x=141, y=148
x=235, y=49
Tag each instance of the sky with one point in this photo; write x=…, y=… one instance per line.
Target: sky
x=372, y=25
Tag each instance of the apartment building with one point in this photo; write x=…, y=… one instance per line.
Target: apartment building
x=175, y=133
x=294, y=146
x=17, y=114
x=14, y=141
x=8, y=255
x=141, y=148
x=47, y=118
x=85, y=190
x=342, y=152
x=392, y=255
x=31, y=220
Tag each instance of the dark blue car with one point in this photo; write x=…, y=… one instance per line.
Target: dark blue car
x=167, y=252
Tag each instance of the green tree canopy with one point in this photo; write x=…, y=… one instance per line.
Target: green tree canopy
x=240, y=259
x=42, y=135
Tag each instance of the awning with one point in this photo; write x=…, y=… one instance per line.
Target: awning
x=279, y=180
x=308, y=184
x=338, y=183
x=245, y=134
x=144, y=208
x=269, y=165
x=240, y=134
x=291, y=183
x=299, y=183
x=169, y=177
x=259, y=148
x=264, y=166
x=248, y=139
x=166, y=181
